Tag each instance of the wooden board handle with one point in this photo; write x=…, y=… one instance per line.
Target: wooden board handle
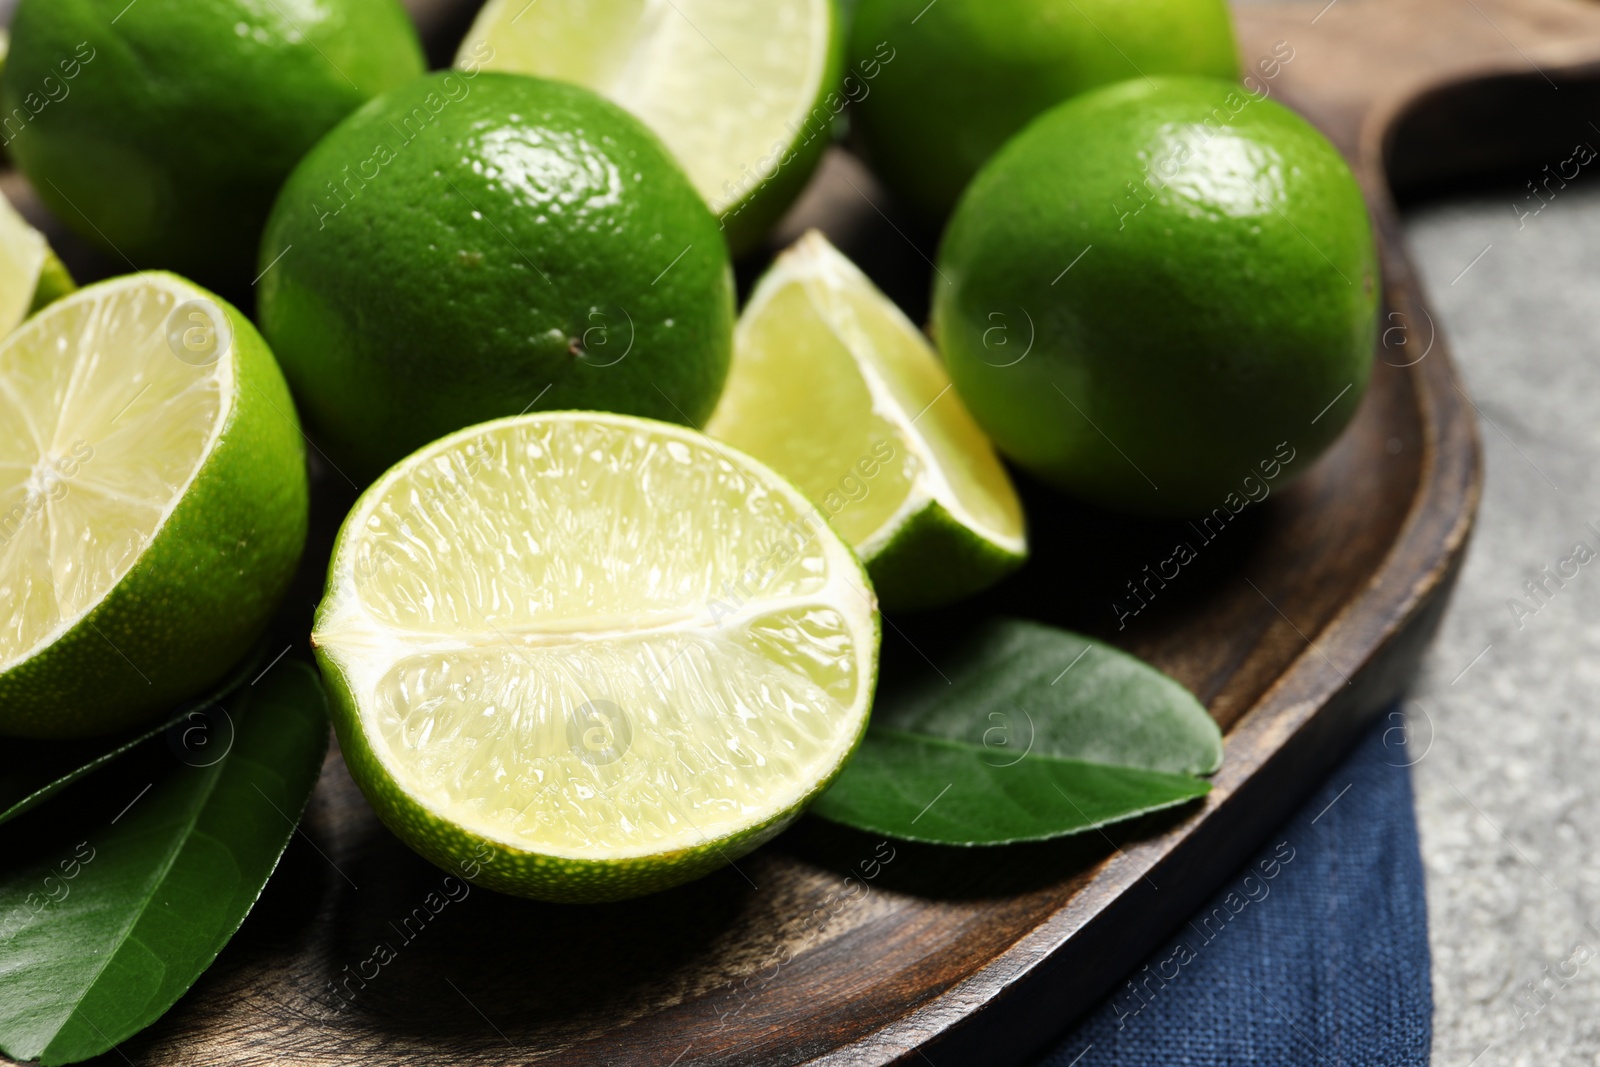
x=1360, y=64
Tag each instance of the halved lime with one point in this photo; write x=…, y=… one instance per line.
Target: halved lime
x=30, y=274
x=833, y=387
x=741, y=91
x=152, y=503
x=580, y=656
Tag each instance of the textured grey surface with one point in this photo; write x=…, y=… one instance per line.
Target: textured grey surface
x=1508, y=798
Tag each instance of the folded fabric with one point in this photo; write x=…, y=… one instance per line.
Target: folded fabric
x=1316, y=953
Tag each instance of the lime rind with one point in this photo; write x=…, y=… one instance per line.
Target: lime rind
x=474, y=768
x=55, y=282
x=932, y=559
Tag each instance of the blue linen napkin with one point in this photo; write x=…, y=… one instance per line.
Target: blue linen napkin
x=1315, y=954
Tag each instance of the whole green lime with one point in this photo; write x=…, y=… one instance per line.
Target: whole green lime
x=1161, y=296
x=470, y=246
x=937, y=88
x=162, y=129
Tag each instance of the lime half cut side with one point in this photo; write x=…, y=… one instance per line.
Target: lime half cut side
x=835, y=388
x=737, y=89
x=152, y=503
x=591, y=656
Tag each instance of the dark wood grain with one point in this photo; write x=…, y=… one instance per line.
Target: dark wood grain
x=1294, y=626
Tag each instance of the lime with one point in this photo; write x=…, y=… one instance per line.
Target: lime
x=472, y=246
x=186, y=115
x=30, y=274
x=956, y=78
x=1186, y=279
x=744, y=92
x=5, y=50
x=594, y=655
x=835, y=389
x=152, y=503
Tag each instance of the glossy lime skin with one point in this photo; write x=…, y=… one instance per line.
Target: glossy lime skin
x=203, y=589
x=1222, y=313
x=955, y=79
x=473, y=246
x=162, y=130
x=934, y=560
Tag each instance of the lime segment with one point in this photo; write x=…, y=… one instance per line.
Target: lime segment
x=614, y=651
x=835, y=388
x=23, y=253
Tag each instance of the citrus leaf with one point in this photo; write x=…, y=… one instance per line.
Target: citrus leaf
x=111, y=908
x=920, y=788
x=38, y=770
x=1015, y=685
x=1014, y=731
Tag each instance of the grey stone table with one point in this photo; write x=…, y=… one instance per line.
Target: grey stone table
x=1508, y=797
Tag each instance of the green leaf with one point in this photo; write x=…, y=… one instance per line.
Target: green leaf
x=111, y=908
x=921, y=788
x=38, y=770
x=1013, y=731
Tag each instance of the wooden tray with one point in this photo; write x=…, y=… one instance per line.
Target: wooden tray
x=1295, y=626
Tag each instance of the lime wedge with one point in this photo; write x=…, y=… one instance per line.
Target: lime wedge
x=736, y=88
x=590, y=654
x=152, y=503
x=834, y=388
x=30, y=274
